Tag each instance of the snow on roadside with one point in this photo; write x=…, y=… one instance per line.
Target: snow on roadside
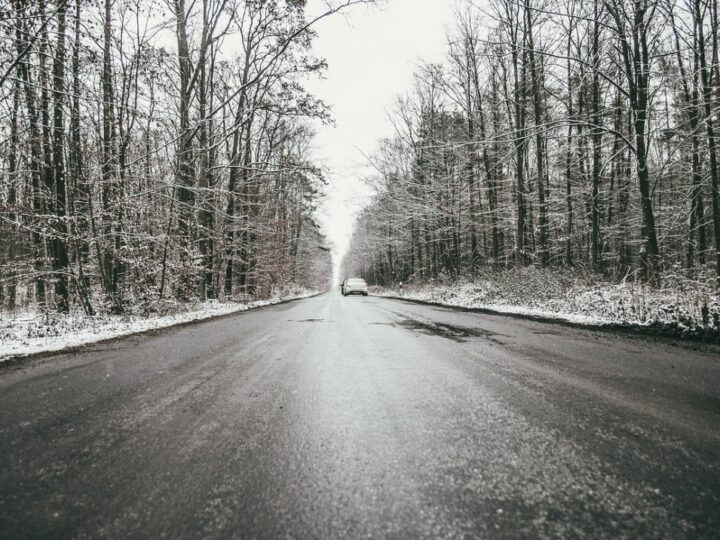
x=679, y=308
x=461, y=301
x=32, y=333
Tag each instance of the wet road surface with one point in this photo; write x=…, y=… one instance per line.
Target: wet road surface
x=347, y=417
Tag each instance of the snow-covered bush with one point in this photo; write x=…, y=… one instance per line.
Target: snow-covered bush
x=680, y=306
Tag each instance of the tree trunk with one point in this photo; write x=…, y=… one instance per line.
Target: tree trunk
x=706, y=79
x=184, y=173
x=61, y=261
x=537, y=88
x=109, y=168
x=596, y=137
x=36, y=162
x=636, y=61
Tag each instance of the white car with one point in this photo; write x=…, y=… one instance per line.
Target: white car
x=354, y=286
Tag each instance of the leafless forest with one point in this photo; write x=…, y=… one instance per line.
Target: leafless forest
x=157, y=149
x=557, y=134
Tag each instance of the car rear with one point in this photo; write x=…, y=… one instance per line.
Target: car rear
x=355, y=286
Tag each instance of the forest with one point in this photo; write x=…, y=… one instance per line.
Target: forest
x=569, y=135
x=157, y=149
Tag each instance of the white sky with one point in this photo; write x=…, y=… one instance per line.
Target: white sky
x=372, y=53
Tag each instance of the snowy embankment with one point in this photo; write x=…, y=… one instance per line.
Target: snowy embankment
x=687, y=308
x=24, y=334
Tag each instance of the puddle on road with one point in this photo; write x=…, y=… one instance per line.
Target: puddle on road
x=459, y=334
x=308, y=320
x=547, y=332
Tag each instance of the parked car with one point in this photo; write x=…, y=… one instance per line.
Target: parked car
x=354, y=286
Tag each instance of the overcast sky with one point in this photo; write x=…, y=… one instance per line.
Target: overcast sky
x=372, y=54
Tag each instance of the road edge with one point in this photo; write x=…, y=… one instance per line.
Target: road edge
x=656, y=331
x=17, y=360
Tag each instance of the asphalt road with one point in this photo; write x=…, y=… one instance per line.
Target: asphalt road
x=352, y=417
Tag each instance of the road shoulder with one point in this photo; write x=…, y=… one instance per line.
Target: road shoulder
x=704, y=341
